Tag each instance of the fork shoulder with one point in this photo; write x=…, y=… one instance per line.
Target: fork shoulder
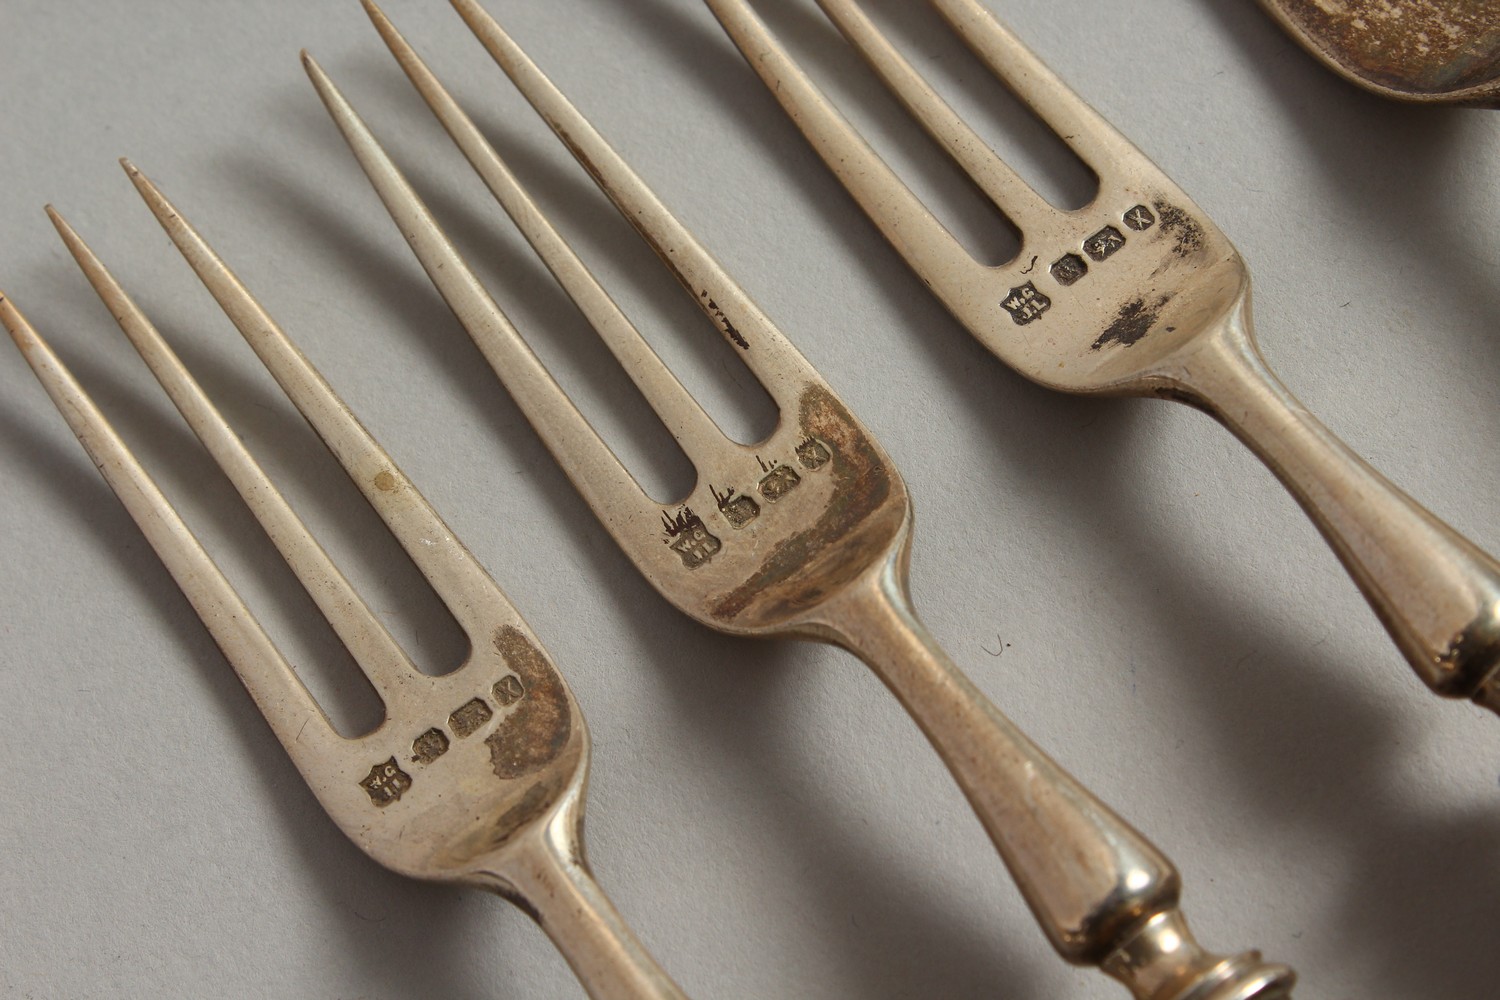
x=866, y=516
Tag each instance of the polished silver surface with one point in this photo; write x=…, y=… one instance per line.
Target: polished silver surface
x=1325, y=806
x=812, y=541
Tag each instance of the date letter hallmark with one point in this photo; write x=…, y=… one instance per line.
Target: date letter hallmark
x=813, y=454
x=509, y=690
x=778, y=481
x=689, y=538
x=1026, y=303
x=1140, y=218
x=386, y=783
x=738, y=509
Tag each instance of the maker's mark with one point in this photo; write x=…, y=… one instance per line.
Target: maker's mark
x=690, y=539
x=386, y=783
x=1026, y=303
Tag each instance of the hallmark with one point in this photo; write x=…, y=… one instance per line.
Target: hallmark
x=690, y=539
x=813, y=454
x=386, y=783
x=778, y=481
x=509, y=690
x=1140, y=218
x=738, y=509
x=1026, y=304
x=1104, y=244
x=1069, y=268
x=468, y=717
x=429, y=746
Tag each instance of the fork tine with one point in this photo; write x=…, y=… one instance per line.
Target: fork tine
x=283, y=700
x=575, y=445
x=915, y=232
x=1012, y=195
x=1086, y=132
x=769, y=355
x=459, y=580
x=694, y=430
x=351, y=618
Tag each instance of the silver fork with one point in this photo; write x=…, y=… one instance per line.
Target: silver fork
x=804, y=534
x=1139, y=293
x=475, y=777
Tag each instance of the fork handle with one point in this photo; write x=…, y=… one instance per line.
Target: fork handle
x=549, y=879
x=1437, y=593
x=1104, y=895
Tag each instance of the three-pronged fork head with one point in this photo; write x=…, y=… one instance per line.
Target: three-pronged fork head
x=464, y=764
x=1139, y=293
x=806, y=533
x=1100, y=299
x=769, y=533
x=476, y=776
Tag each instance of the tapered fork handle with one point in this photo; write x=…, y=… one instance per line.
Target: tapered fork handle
x=547, y=877
x=1103, y=894
x=1435, y=591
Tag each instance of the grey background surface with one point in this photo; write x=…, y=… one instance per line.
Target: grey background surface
x=1168, y=624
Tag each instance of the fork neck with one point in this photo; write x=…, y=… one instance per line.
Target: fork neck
x=547, y=876
x=1102, y=893
x=1436, y=592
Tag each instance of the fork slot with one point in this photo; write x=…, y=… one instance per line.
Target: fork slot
x=1086, y=132
x=588, y=462
x=286, y=704
x=472, y=597
x=351, y=618
x=1000, y=183
x=695, y=431
x=778, y=365
x=911, y=228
